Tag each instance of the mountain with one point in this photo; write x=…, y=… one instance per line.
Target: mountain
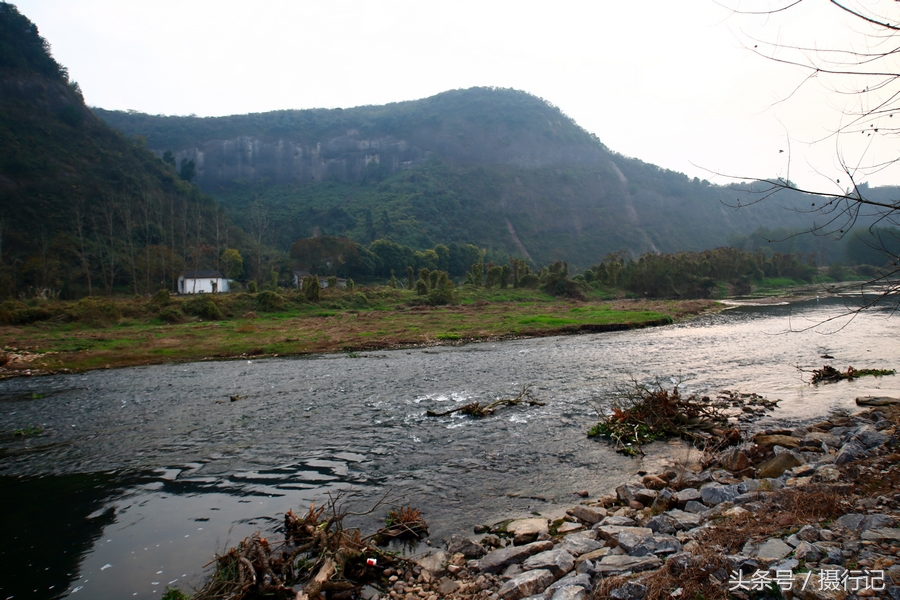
x=498, y=168
x=81, y=206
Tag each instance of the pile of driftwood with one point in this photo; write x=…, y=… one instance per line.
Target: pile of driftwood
x=829, y=374
x=645, y=414
x=477, y=409
x=317, y=556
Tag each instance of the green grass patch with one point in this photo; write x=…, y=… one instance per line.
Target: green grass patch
x=448, y=336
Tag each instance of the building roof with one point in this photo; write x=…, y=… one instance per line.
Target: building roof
x=202, y=275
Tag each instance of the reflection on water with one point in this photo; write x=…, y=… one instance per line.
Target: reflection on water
x=178, y=471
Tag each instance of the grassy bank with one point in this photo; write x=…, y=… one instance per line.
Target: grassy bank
x=53, y=336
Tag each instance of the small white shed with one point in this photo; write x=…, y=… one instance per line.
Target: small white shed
x=202, y=282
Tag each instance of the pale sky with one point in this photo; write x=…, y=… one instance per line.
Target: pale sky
x=675, y=84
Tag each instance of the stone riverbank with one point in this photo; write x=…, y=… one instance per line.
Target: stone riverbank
x=807, y=513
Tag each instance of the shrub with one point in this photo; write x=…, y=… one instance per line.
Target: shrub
x=311, y=288
x=269, y=301
x=204, y=308
x=358, y=300
x=252, y=287
x=11, y=312
x=529, y=281
x=171, y=314
x=160, y=298
x=332, y=282
x=443, y=291
x=95, y=310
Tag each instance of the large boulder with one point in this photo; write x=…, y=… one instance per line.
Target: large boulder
x=497, y=560
x=557, y=561
x=525, y=584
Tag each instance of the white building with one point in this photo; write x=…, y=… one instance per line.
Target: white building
x=202, y=282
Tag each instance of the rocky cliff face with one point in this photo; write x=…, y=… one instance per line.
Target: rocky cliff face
x=220, y=163
x=480, y=126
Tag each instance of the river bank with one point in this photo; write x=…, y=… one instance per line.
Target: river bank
x=46, y=347
x=809, y=513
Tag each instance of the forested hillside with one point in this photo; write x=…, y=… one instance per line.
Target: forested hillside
x=82, y=208
x=497, y=168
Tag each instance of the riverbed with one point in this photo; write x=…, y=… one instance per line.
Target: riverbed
x=140, y=475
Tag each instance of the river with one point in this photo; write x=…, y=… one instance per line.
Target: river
x=140, y=475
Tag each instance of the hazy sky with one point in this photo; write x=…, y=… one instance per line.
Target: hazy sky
x=672, y=83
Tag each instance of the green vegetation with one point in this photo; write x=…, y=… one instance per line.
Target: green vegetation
x=829, y=374
x=28, y=431
x=129, y=331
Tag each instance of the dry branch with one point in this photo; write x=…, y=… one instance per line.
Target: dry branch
x=476, y=409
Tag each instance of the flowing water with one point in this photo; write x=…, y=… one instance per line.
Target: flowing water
x=141, y=474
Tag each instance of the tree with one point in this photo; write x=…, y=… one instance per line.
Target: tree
x=187, y=170
x=232, y=263
x=862, y=69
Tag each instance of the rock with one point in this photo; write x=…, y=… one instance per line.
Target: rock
x=626, y=492
x=525, y=584
x=619, y=521
x=849, y=452
x=692, y=506
x=715, y=493
x=630, y=540
x=569, y=592
x=876, y=401
x=822, y=437
x=773, y=549
x=827, y=473
x=613, y=565
x=528, y=527
x=582, y=580
x=630, y=591
x=652, y=482
x=734, y=460
x=447, y=586
x=608, y=532
x=767, y=441
x=462, y=545
x=850, y=521
x=774, y=467
x=683, y=496
x=558, y=562
x=881, y=534
x=735, y=511
x=807, y=552
x=871, y=438
x=497, y=560
x=662, y=524
x=684, y=520
x=576, y=545
x=588, y=514
x=569, y=527
x=592, y=555
x=798, y=482
x=808, y=533
x=645, y=496
x=785, y=565
x=435, y=563
x=584, y=567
